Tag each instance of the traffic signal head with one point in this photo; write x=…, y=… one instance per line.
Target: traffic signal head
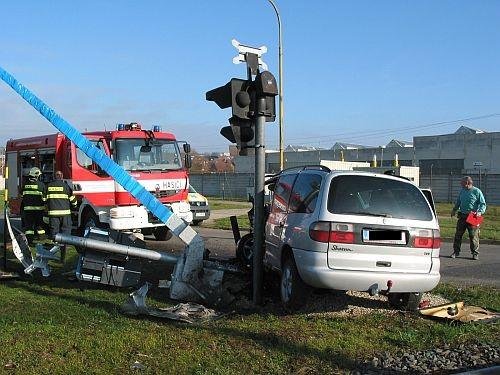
x=265, y=86
x=240, y=132
x=234, y=94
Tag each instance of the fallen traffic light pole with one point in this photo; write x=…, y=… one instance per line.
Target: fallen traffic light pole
x=190, y=280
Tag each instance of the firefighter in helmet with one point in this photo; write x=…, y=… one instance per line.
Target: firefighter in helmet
x=59, y=200
x=33, y=205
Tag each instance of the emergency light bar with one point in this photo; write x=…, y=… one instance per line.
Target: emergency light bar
x=131, y=126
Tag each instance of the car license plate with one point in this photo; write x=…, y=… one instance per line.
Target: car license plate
x=199, y=214
x=394, y=237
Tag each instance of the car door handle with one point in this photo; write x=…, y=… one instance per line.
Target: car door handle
x=383, y=264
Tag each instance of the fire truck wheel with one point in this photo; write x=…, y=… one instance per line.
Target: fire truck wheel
x=162, y=234
x=90, y=221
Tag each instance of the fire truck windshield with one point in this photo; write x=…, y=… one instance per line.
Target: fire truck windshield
x=144, y=154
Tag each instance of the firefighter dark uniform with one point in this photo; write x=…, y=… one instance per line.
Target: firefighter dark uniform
x=33, y=205
x=59, y=199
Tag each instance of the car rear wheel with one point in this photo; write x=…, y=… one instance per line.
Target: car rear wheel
x=405, y=301
x=244, y=250
x=197, y=222
x=294, y=292
x=162, y=234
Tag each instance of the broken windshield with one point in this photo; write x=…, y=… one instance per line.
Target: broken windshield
x=147, y=154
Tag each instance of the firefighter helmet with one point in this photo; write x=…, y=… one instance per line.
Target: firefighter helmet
x=34, y=172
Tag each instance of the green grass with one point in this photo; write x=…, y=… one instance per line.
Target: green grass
x=485, y=296
x=53, y=326
x=218, y=204
x=225, y=223
x=490, y=229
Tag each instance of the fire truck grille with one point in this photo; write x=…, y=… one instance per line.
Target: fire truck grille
x=164, y=193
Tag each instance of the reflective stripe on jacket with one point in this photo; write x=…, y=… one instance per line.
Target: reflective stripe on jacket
x=33, y=196
x=59, y=198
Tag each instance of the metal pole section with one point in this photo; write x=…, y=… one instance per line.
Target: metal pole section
x=5, y=234
x=432, y=165
x=258, y=222
x=5, y=231
x=136, y=252
x=280, y=74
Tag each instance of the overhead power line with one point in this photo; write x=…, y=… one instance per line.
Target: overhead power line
x=364, y=134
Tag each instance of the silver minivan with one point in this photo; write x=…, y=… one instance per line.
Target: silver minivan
x=348, y=230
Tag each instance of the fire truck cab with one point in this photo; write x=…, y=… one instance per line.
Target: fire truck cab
x=152, y=157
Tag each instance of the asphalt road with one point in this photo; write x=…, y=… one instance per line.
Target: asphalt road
x=464, y=270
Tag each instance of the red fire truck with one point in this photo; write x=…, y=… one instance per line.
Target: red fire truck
x=152, y=157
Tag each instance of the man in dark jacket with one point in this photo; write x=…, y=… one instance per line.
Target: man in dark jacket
x=33, y=205
x=59, y=200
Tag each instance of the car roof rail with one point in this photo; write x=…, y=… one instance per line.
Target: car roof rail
x=322, y=167
x=304, y=167
x=392, y=172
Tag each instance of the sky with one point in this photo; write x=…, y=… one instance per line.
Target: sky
x=359, y=72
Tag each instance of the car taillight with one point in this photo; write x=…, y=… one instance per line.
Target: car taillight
x=320, y=231
x=423, y=242
x=323, y=231
x=342, y=233
x=437, y=239
x=427, y=239
x=342, y=237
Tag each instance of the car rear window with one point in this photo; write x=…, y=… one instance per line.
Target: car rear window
x=377, y=196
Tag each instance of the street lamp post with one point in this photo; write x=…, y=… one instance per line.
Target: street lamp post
x=280, y=77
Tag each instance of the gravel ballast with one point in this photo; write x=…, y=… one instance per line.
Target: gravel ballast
x=444, y=360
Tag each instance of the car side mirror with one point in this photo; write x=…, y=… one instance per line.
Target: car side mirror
x=187, y=148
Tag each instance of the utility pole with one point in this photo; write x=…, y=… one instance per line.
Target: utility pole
x=260, y=165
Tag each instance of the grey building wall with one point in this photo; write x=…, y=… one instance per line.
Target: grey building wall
x=465, y=149
x=386, y=155
x=444, y=159
x=455, y=153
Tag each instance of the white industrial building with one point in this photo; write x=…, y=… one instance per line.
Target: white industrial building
x=443, y=160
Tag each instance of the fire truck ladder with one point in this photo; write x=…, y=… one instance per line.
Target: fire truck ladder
x=189, y=280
